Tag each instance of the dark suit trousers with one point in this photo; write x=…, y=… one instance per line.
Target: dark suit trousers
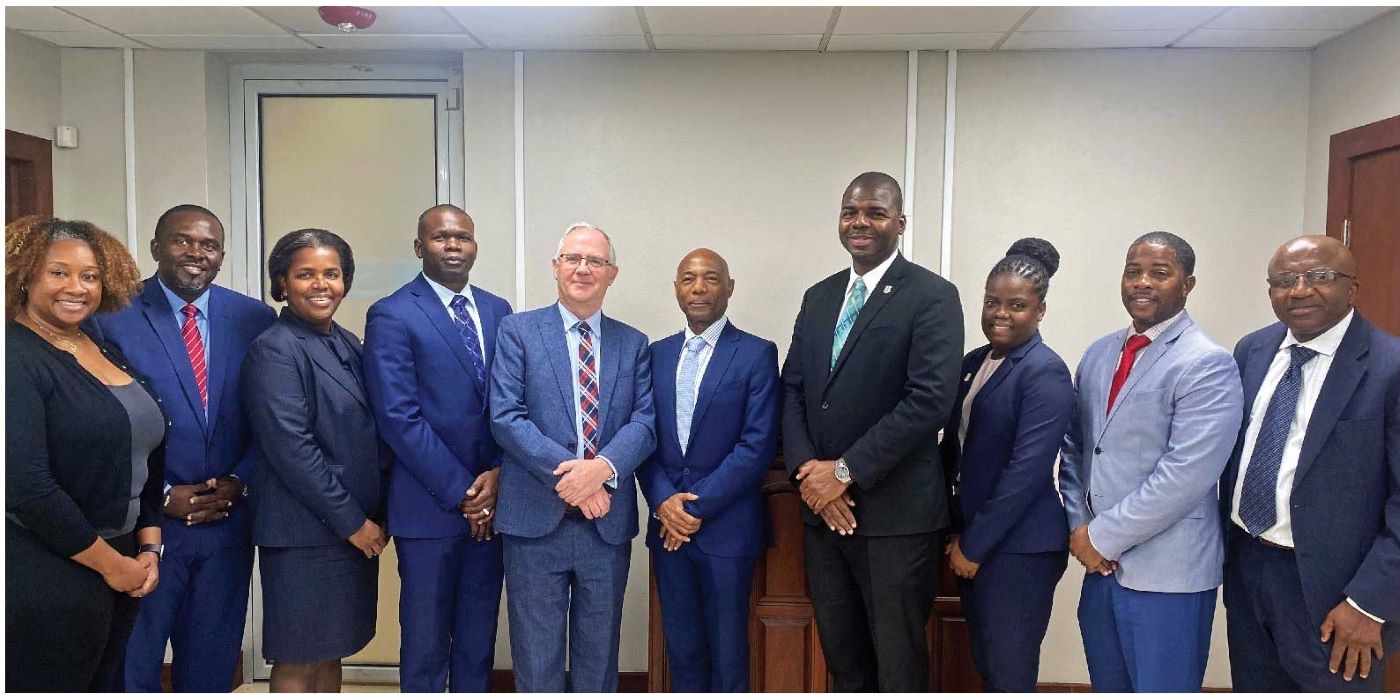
x=448, y=604
x=1008, y=611
x=1274, y=644
x=873, y=596
x=705, y=617
x=65, y=629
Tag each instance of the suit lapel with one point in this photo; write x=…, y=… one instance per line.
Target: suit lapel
x=551, y=332
x=610, y=368
x=1348, y=367
x=1146, y=359
x=1257, y=366
x=219, y=366
x=159, y=314
x=488, y=326
x=725, y=348
x=328, y=363
x=879, y=297
x=663, y=381
x=1012, y=358
x=428, y=302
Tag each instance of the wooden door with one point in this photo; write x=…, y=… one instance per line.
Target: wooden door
x=1363, y=209
x=28, y=176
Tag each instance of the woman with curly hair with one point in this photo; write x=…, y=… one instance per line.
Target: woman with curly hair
x=83, y=459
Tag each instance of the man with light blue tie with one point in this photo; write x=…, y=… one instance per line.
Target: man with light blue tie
x=718, y=403
x=1157, y=407
x=428, y=348
x=571, y=406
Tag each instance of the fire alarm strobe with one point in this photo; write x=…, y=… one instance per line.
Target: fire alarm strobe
x=347, y=19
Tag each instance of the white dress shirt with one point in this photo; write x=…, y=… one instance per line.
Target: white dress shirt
x=872, y=280
x=445, y=295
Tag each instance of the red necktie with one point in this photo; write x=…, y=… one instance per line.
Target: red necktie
x=1130, y=350
x=194, y=347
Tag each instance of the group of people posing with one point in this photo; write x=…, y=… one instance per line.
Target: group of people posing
x=158, y=431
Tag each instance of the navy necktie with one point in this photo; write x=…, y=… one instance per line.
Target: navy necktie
x=1258, y=497
x=467, y=329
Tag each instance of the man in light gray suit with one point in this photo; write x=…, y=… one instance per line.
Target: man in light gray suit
x=1157, y=409
x=571, y=407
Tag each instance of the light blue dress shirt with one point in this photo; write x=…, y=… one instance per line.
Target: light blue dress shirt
x=571, y=336
x=201, y=314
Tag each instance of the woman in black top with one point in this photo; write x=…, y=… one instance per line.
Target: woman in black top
x=83, y=462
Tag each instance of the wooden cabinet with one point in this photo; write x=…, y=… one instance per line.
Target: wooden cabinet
x=785, y=654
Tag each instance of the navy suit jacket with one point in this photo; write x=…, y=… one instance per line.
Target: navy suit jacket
x=197, y=447
x=733, y=439
x=429, y=408
x=1346, y=490
x=319, y=464
x=533, y=417
x=1006, y=498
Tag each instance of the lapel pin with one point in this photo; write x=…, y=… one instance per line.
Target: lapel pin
x=967, y=377
x=887, y=289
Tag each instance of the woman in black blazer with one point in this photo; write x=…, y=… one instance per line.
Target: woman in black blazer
x=84, y=447
x=318, y=511
x=1013, y=408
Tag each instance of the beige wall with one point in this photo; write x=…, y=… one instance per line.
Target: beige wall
x=89, y=182
x=488, y=123
x=1355, y=81
x=1090, y=149
x=31, y=86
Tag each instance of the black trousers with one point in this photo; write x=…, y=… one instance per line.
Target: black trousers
x=872, y=597
x=65, y=630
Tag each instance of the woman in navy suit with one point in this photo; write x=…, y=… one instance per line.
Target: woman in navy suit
x=1011, y=414
x=317, y=506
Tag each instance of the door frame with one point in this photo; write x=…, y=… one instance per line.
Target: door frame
x=1344, y=147
x=248, y=83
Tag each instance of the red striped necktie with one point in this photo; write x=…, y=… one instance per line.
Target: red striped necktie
x=194, y=347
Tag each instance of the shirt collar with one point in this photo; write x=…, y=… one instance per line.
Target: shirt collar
x=872, y=278
x=445, y=294
x=1327, y=343
x=594, y=321
x=711, y=334
x=1157, y=330
x=176, y=303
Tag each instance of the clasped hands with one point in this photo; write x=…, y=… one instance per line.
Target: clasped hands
x=819, y=488
x=581, y=484
x=371, y=538
x=206, y=502
x=676, y=524
x=1084, y=551
x=135, y=576
x=478, y=504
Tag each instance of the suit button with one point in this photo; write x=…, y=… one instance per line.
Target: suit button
x=826, y=405
x=685, y=471
x=1098, y=451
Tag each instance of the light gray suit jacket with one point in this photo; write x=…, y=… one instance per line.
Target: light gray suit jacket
x=1143, y=477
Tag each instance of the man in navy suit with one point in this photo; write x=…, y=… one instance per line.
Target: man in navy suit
x=189, y=337
x=1311, y=497
x=428, y=352
x=717, y=416
x=571, y=407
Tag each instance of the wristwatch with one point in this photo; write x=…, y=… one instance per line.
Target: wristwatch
x=843, y=473
x=158, y=550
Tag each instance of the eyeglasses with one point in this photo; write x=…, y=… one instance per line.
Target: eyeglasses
x=572, y=260
x=1316, y=277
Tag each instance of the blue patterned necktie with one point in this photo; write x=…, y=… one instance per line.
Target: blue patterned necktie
x=685, y=389
x=1258, y=497
x=467, y=329
x=588, y=391
x=854, y=301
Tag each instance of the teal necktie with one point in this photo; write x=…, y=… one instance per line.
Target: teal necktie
x=854, y=301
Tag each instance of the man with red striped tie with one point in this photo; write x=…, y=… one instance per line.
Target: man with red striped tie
x=571, y=407
x=189, y=337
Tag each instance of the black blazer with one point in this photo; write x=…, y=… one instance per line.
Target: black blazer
x=318, y=466
x=882, y=405
x=68, y=446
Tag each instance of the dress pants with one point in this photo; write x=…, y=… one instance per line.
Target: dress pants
x=1008, y=611
x=567, y=581
x=1142, y=641
x=705, y=618
x=872, y=597
x=200, y=608
x=449, y=599
x=1274, y=644
x=65, y=629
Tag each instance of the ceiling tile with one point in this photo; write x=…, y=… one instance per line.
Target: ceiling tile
x=1309, y=18
x=84, y=39
x=926, y=20
x=549, y=21
x=223, y=43
x=390, y=20
x=737, y=21
x=44, y=19
x=180, y=21
x=769, y=42
x=1035, y=40
x=1117, y=18
x=914, y=42
x=564, y=43
x=387, y=42
x=1246, y=38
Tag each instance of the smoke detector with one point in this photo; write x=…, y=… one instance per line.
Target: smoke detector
x=347, y=19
